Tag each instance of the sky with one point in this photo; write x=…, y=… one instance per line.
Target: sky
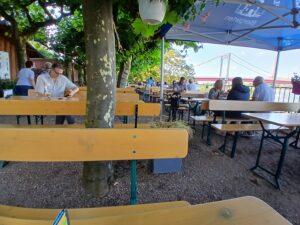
x=245, y=62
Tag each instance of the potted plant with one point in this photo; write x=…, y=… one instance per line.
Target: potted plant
x=6, y=86
x=169, y=165
x=296, y=84
x=152, y=11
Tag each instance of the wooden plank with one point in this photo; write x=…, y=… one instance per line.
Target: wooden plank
x=149, y=109
x=42, y=107
x=82, y=126
x=125, y=90
x=245, y=127
x=241, y=211
x=20, y=105
x=252, y=106
x=83, y=88
x=192, y=95
x=85, y=213
x=127, y=97
x=58, y=144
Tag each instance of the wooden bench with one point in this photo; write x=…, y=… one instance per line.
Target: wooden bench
x=75, y=144
x=243, y=211
x=246, y=106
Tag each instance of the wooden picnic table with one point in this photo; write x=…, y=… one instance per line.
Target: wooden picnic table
x=289, y=120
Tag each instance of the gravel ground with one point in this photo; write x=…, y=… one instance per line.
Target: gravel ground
x=207, y=175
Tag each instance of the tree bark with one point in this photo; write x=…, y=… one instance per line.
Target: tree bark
x=124, y=72
x=101, y=75
x=21, y=50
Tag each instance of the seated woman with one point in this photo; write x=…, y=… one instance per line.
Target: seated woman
x=238, y=92
x=216, y=92
x=181, y=85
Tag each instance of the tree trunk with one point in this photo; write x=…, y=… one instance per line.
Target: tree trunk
x=124, y=72
x=21, y=50
x=101, y=75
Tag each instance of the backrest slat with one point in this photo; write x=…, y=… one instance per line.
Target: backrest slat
x=71, y=107
x=59, y=144
x=252, y=106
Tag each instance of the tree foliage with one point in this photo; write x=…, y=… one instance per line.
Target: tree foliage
x=148, y=65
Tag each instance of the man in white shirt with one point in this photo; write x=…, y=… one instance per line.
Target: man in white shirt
x=54, y=84
x=191, y=86
x=262, y=92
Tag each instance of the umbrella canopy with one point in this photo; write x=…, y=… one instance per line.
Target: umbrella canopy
x=264, y=24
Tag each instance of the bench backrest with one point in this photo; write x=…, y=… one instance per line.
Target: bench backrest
x=74, y=107
x=252, y=106
x=126, y=90
x=64, y=144
x=192, y=95
x=120, y=95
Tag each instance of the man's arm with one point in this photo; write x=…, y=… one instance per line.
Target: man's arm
x=71, y=88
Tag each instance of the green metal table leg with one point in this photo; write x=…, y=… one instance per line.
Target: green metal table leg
x=18, y=120
x=235, y=139
x=133, y=196
x=259, y=151
x=281, y=160
x=294, y=144
x=222, y=148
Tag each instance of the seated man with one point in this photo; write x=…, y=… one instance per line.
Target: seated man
x=238, y=92
x=191, y=86
x=55, y=84
x=262, y=92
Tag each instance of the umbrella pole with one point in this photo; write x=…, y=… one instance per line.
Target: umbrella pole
x=161, y=99
x=276, y=70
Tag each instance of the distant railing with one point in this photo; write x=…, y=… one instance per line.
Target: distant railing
x=282, y=94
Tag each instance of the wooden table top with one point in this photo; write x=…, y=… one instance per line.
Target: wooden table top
x=280, y=119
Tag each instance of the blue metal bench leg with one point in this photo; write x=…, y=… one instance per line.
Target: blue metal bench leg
x=133, y=196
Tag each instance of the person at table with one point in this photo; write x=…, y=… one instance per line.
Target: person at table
x=217, y=91
x=150, y=82
x=238, y=92
x=55, y=84
x=181, y=85
x=25, y=80
x=191, y=86
x=262, y=92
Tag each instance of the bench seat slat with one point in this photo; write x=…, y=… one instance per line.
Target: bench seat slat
x=85, y=213
x=242, y=211
x=59, y=144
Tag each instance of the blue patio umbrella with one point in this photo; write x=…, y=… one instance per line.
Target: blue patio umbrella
x=264, y=24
